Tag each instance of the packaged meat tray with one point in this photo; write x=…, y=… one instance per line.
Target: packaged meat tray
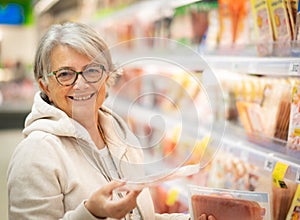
x=228, y=204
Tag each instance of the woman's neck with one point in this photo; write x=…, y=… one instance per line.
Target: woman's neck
x=91, y=125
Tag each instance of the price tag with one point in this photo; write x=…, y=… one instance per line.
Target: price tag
x=278, y=174
x=294, y=69
x=269, y=165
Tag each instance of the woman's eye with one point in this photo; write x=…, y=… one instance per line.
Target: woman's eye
x=93, y=70
x=64, y=73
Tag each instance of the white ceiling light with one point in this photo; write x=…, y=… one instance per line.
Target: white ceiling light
x=44, y=5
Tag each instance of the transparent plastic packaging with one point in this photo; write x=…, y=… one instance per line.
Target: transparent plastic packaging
x=228, y=204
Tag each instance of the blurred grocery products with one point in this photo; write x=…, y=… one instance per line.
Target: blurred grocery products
x=262, y=105
x=252, y=47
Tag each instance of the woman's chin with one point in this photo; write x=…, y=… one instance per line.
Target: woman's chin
x=83, y=111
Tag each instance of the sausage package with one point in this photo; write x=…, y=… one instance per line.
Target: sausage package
x=228, y=204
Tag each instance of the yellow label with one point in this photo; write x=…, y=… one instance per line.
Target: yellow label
x=172, y=197
x=294, y=95
x=278, y=174
x=297, y=132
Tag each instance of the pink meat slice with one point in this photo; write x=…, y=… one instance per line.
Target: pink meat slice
x=225, y=208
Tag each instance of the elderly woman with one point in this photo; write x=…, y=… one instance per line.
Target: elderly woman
x=74, y=147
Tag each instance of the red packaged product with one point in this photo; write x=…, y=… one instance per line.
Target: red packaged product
x=226, y=208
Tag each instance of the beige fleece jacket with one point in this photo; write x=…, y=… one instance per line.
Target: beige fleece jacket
x=56, y=167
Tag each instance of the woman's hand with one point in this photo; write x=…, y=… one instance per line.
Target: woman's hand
x=205, y=217
x=101, y=205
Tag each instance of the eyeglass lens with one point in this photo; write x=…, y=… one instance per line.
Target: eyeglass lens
x=91, y=74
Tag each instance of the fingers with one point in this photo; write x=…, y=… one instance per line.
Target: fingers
x=211, y=217
x=204, y=217
x=123, y=205
x=108, y=188
x=102, y=204
x=128, y=202
x=99, y=204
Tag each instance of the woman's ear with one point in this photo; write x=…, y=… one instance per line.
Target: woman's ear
x=44, y=87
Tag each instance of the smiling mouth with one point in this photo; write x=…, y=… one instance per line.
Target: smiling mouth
x=81, y=98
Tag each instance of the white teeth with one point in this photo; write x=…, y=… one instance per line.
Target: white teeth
x=82, y=98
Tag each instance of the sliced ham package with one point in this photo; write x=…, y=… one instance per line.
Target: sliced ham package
x=227, y=204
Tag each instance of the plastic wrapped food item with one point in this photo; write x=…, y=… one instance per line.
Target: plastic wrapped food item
x=228, y=204
x=282, y=199
x=294, y=125
x=281, y=26
x=226, y=208
x=263, y=27
x=294, y=212
x=157, y=179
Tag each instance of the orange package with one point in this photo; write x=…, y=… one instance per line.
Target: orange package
x=226, y=26
x=238, y=12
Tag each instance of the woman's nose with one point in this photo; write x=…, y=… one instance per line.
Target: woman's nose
x=79, y=82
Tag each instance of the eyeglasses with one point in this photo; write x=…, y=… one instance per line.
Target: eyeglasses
x=67, y=77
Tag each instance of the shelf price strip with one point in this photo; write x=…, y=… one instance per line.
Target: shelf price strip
x=278, y=174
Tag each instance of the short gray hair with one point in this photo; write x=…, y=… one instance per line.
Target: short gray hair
x=78, y=36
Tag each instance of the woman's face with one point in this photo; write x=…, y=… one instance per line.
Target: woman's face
x=81, y=99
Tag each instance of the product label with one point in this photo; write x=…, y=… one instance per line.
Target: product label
x=278, y=174
x=172, y=197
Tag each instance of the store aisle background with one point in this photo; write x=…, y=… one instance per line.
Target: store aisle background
x=9, y=140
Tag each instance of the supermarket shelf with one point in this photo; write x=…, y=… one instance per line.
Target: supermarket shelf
x=263, y=152
x=190, y=59
x=240, y=58
x=270, y=66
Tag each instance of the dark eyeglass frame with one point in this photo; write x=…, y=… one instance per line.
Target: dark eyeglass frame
x=53, y=73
